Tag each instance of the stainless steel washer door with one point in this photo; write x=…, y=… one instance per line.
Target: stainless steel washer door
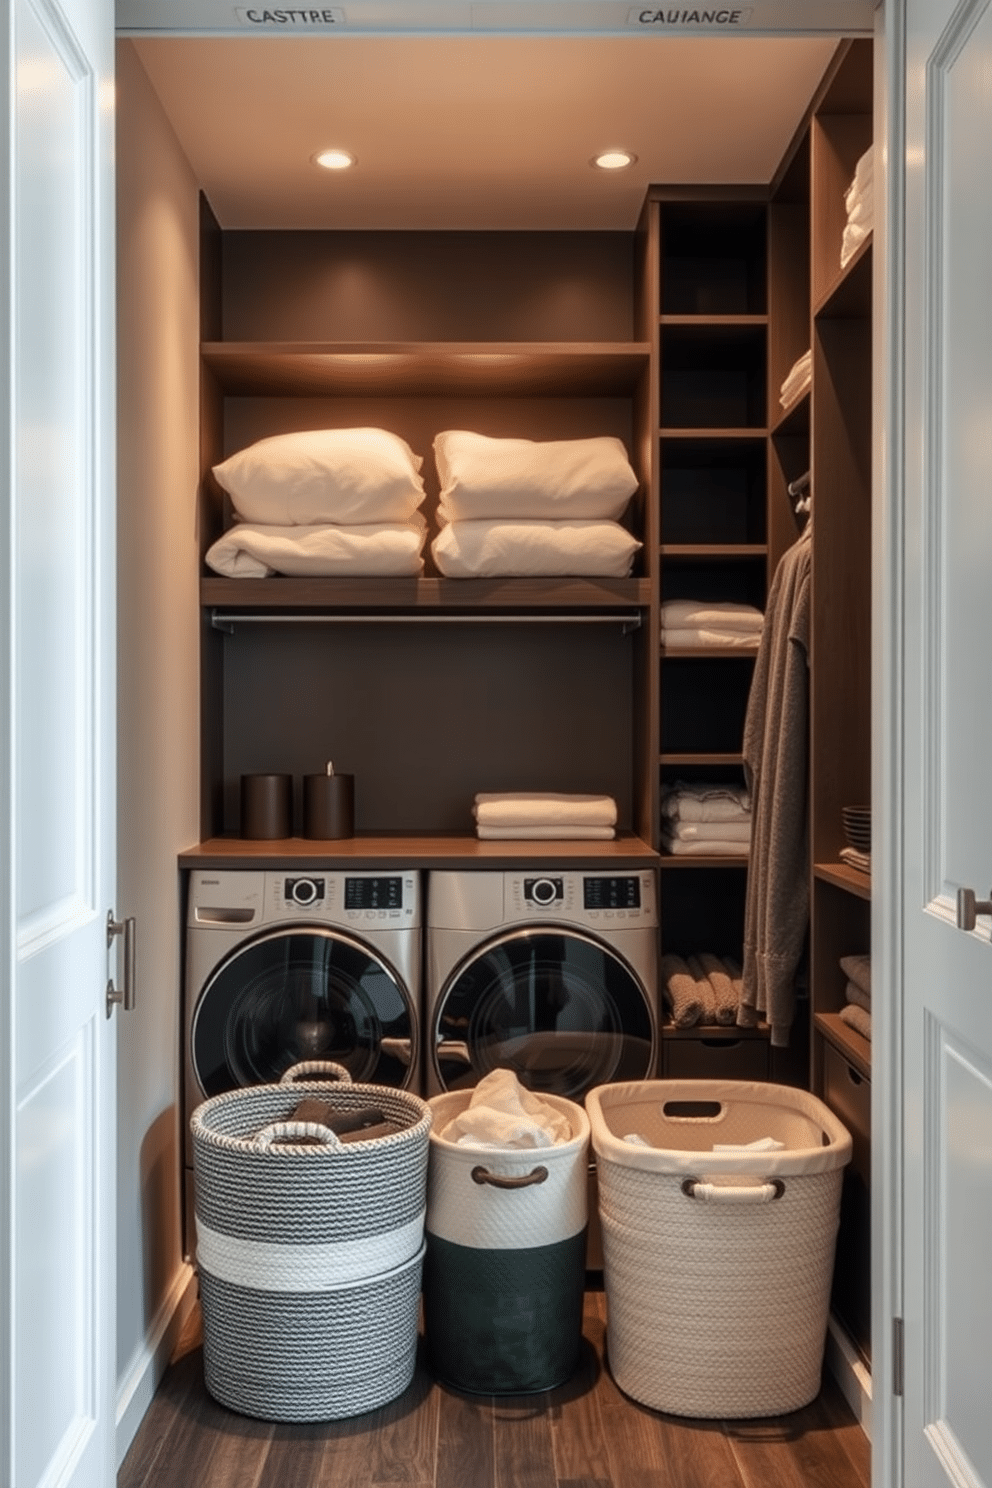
x=561, y=1009
x=302, y=993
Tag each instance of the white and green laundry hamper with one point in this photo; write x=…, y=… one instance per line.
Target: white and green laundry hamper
x=719, y=1203
x=504, y=1273
x=309, y=1250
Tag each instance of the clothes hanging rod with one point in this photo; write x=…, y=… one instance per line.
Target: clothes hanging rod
x=226, y=620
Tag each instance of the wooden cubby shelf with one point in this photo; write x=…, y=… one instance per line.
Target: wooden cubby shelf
x=842, y=876
x=712, y=552
x=850, y=1043
x=403, y=368
x=732, y=761
x=430, y=594
x=850, y=293
x=700, y=860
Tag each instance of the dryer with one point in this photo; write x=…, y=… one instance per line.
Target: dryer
x=552, y=974
x=286, y=966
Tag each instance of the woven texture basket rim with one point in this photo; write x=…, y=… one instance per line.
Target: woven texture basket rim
x=346, y=1152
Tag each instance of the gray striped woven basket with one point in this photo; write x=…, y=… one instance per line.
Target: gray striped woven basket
x=309, y=1251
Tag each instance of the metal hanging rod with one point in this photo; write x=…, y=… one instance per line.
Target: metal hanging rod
x=226, y=621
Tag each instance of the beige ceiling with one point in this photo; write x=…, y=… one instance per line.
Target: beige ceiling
x=478, y=132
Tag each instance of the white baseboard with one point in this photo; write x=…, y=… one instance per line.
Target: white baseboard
x=851, y=1373
x=135, y=1391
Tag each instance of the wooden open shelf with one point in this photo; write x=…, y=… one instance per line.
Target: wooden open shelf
x=702, y=860
x=842, y=876
x=712, y=552
x=403, y=368
x=685, y=757
x=418, y=595
x=404, y=851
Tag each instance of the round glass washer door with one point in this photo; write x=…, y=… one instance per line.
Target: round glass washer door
x=560, y=1009
x=302, y=993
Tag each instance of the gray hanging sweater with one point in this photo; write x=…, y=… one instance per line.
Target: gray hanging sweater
x=776, y=767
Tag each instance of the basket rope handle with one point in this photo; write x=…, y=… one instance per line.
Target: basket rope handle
x=298, y=1132
x=324, y=1069
x=719, y=1193
x=498, y=1180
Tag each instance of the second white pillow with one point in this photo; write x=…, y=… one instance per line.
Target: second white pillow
x=557, y=479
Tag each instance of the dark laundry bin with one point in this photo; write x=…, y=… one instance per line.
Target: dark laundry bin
x=504, y=1272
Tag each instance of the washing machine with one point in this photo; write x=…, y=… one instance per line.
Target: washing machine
x=288, y=966
x=552, y=974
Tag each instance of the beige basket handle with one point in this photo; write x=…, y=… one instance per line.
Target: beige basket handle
x=721, y=1193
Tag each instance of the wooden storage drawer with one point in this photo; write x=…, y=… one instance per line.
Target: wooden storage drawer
x=712, y=1056
x=848, y=1094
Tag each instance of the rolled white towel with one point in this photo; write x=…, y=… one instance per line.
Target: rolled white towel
x=543, y=809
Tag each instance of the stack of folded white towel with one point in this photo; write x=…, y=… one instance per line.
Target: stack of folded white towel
x=798, y=379
x=513, y=507
x=858, y=199
x=701, y=989
x=856, y=1011
x=336, y=502
x=700, y=818
x=702, y=623
x=543, y=814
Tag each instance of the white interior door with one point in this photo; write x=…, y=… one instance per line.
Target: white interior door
x=56, y=674
x=947, y=1220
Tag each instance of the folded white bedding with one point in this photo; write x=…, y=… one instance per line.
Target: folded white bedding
x=694, y=802
x=471, y=549
x=723, y=847
x=703, y=638
x=690, y=614
x=559, y=478
x=561, y=832
x=249, y=552
x=719, y=831
x=324, y=475
x=542, y=809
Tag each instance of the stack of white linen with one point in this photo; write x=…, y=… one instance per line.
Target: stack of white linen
x=858, y=199
x=856, y=1012
x=339, y=502
x=696, y=622
x=798, y=380
x=518, y=507
x=699, y=819
x=544, y=814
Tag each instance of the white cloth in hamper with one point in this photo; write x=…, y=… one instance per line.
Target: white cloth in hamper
x=522, y=549
x=249, y=552
x=543, y=809
x=552, y=479
x=502, y=1113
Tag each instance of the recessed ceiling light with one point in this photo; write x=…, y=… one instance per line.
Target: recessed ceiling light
x=334, y=159
x=613, y=159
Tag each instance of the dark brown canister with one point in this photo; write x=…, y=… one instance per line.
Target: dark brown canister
x=328, y=806
x=266, y=806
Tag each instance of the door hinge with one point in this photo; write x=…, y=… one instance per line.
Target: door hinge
x=898, y=1355
x=125, y=995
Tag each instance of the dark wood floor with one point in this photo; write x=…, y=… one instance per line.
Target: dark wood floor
x=584, y=1435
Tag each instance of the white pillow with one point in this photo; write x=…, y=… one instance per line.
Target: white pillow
x=324, y=475
x=465, y=550
x=560, y=478
x=251, y=552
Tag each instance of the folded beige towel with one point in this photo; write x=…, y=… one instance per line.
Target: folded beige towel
x=697, y=614
x=705, y=803
x=722, y=831
x=543, y=809
x=858, y=970
x=854, y=994
x=683, y=992
x=722, y=848
x=561, y=833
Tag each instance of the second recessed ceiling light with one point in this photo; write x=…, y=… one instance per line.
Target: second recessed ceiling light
x=611, y=160
x=334, y=159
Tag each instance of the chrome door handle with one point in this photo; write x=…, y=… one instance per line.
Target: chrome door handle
x=124, y=995
x=969, y=907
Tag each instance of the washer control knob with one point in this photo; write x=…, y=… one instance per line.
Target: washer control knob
x=304, y=890
x=544, y=891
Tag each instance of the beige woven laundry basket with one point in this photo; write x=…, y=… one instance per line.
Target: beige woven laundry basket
x=717, y=1265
